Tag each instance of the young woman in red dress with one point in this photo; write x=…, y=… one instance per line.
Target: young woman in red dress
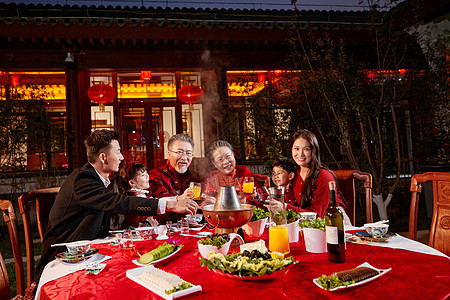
x=310, y=185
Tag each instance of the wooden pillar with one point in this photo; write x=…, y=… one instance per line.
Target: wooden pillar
x=74, y=143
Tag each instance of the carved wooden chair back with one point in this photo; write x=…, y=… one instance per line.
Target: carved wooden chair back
x=10, y=219
x=346, y=181
x=43, y=200
x=5, y=290
x=440, y=222
x=261, y=178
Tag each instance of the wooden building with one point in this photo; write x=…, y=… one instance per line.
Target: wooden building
x=147, y=55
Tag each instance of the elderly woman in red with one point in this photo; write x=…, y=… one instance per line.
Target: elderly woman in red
x=221, y=155
x=310, y=185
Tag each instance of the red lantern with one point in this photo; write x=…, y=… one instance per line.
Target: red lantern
x=261, y=77
x=190, y=94
x=14, y=80
x=146, y=75
x=277, y=72
x=101, y=93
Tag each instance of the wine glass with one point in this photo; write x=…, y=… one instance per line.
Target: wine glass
x=169, y=226
x=211, y=187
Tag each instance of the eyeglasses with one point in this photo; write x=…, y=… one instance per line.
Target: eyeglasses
x=180, y=153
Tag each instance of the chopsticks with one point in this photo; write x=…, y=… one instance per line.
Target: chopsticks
x=376, y=223
x=62, y=244
x=193, y=235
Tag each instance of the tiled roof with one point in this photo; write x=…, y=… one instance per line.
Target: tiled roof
x=176, y=17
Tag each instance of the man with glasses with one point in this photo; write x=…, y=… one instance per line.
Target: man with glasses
x=172, y=179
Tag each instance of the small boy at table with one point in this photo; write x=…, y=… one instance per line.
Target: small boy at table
x=283, y=172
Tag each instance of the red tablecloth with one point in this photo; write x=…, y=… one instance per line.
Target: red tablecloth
x=413, y=276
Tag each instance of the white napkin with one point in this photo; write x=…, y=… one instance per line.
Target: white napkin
x=397, y=242
x=57, y=269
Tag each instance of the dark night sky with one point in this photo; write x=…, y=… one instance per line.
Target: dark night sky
x=237, y=4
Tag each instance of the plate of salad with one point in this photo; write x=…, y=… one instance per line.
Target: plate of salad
x=242, y=267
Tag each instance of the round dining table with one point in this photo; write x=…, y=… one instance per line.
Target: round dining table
x=413, y=275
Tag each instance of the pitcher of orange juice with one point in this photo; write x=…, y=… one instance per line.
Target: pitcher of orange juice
x=278, y=232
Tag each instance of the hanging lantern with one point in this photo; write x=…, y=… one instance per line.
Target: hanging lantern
x=146, y=75
x=14, y=80
x=101, y=94
x=190, y=94
x=261, y=78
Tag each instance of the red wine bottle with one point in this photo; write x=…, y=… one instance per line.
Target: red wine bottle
x=334, y=228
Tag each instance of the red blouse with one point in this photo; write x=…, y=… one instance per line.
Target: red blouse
x=217, y=179
x=320, y=199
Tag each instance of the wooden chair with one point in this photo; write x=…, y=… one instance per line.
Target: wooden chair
x=346, y=181
x=440, y=222
x=43, y=201
x=261, y=178
x=10, y=218
x=5, y=290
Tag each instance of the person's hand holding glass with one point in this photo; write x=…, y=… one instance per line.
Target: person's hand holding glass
x=196, y=190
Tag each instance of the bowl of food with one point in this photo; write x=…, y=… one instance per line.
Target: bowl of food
x=307, y=215
x=78, y=247
x=217, y=243
x=257, y=224
x=144, y=233
x=377, y=230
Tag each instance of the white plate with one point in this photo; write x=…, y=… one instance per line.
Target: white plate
x=197, y=228
x=136, y=261
x=366, y=264
x=134, y=274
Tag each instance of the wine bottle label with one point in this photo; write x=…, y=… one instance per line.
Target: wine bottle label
x=331, y=235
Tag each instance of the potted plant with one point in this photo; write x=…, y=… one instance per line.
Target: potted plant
x=314, y=234
x=255, y=227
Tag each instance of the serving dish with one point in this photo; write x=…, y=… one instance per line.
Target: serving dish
x=366, y=264
x=274, y=275
x=71, y=258
x=196, y=226
x=134, y=274
x=367, y=237
x=136, y=261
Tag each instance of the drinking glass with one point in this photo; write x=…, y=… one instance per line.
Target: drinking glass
x=248, y=185
x=196, y=189
x=278, y=232
x=184, y=225
x=126, y=241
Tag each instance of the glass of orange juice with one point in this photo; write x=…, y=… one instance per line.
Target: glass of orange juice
x=196, y=189
x=278, y=232
x=248, y=185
